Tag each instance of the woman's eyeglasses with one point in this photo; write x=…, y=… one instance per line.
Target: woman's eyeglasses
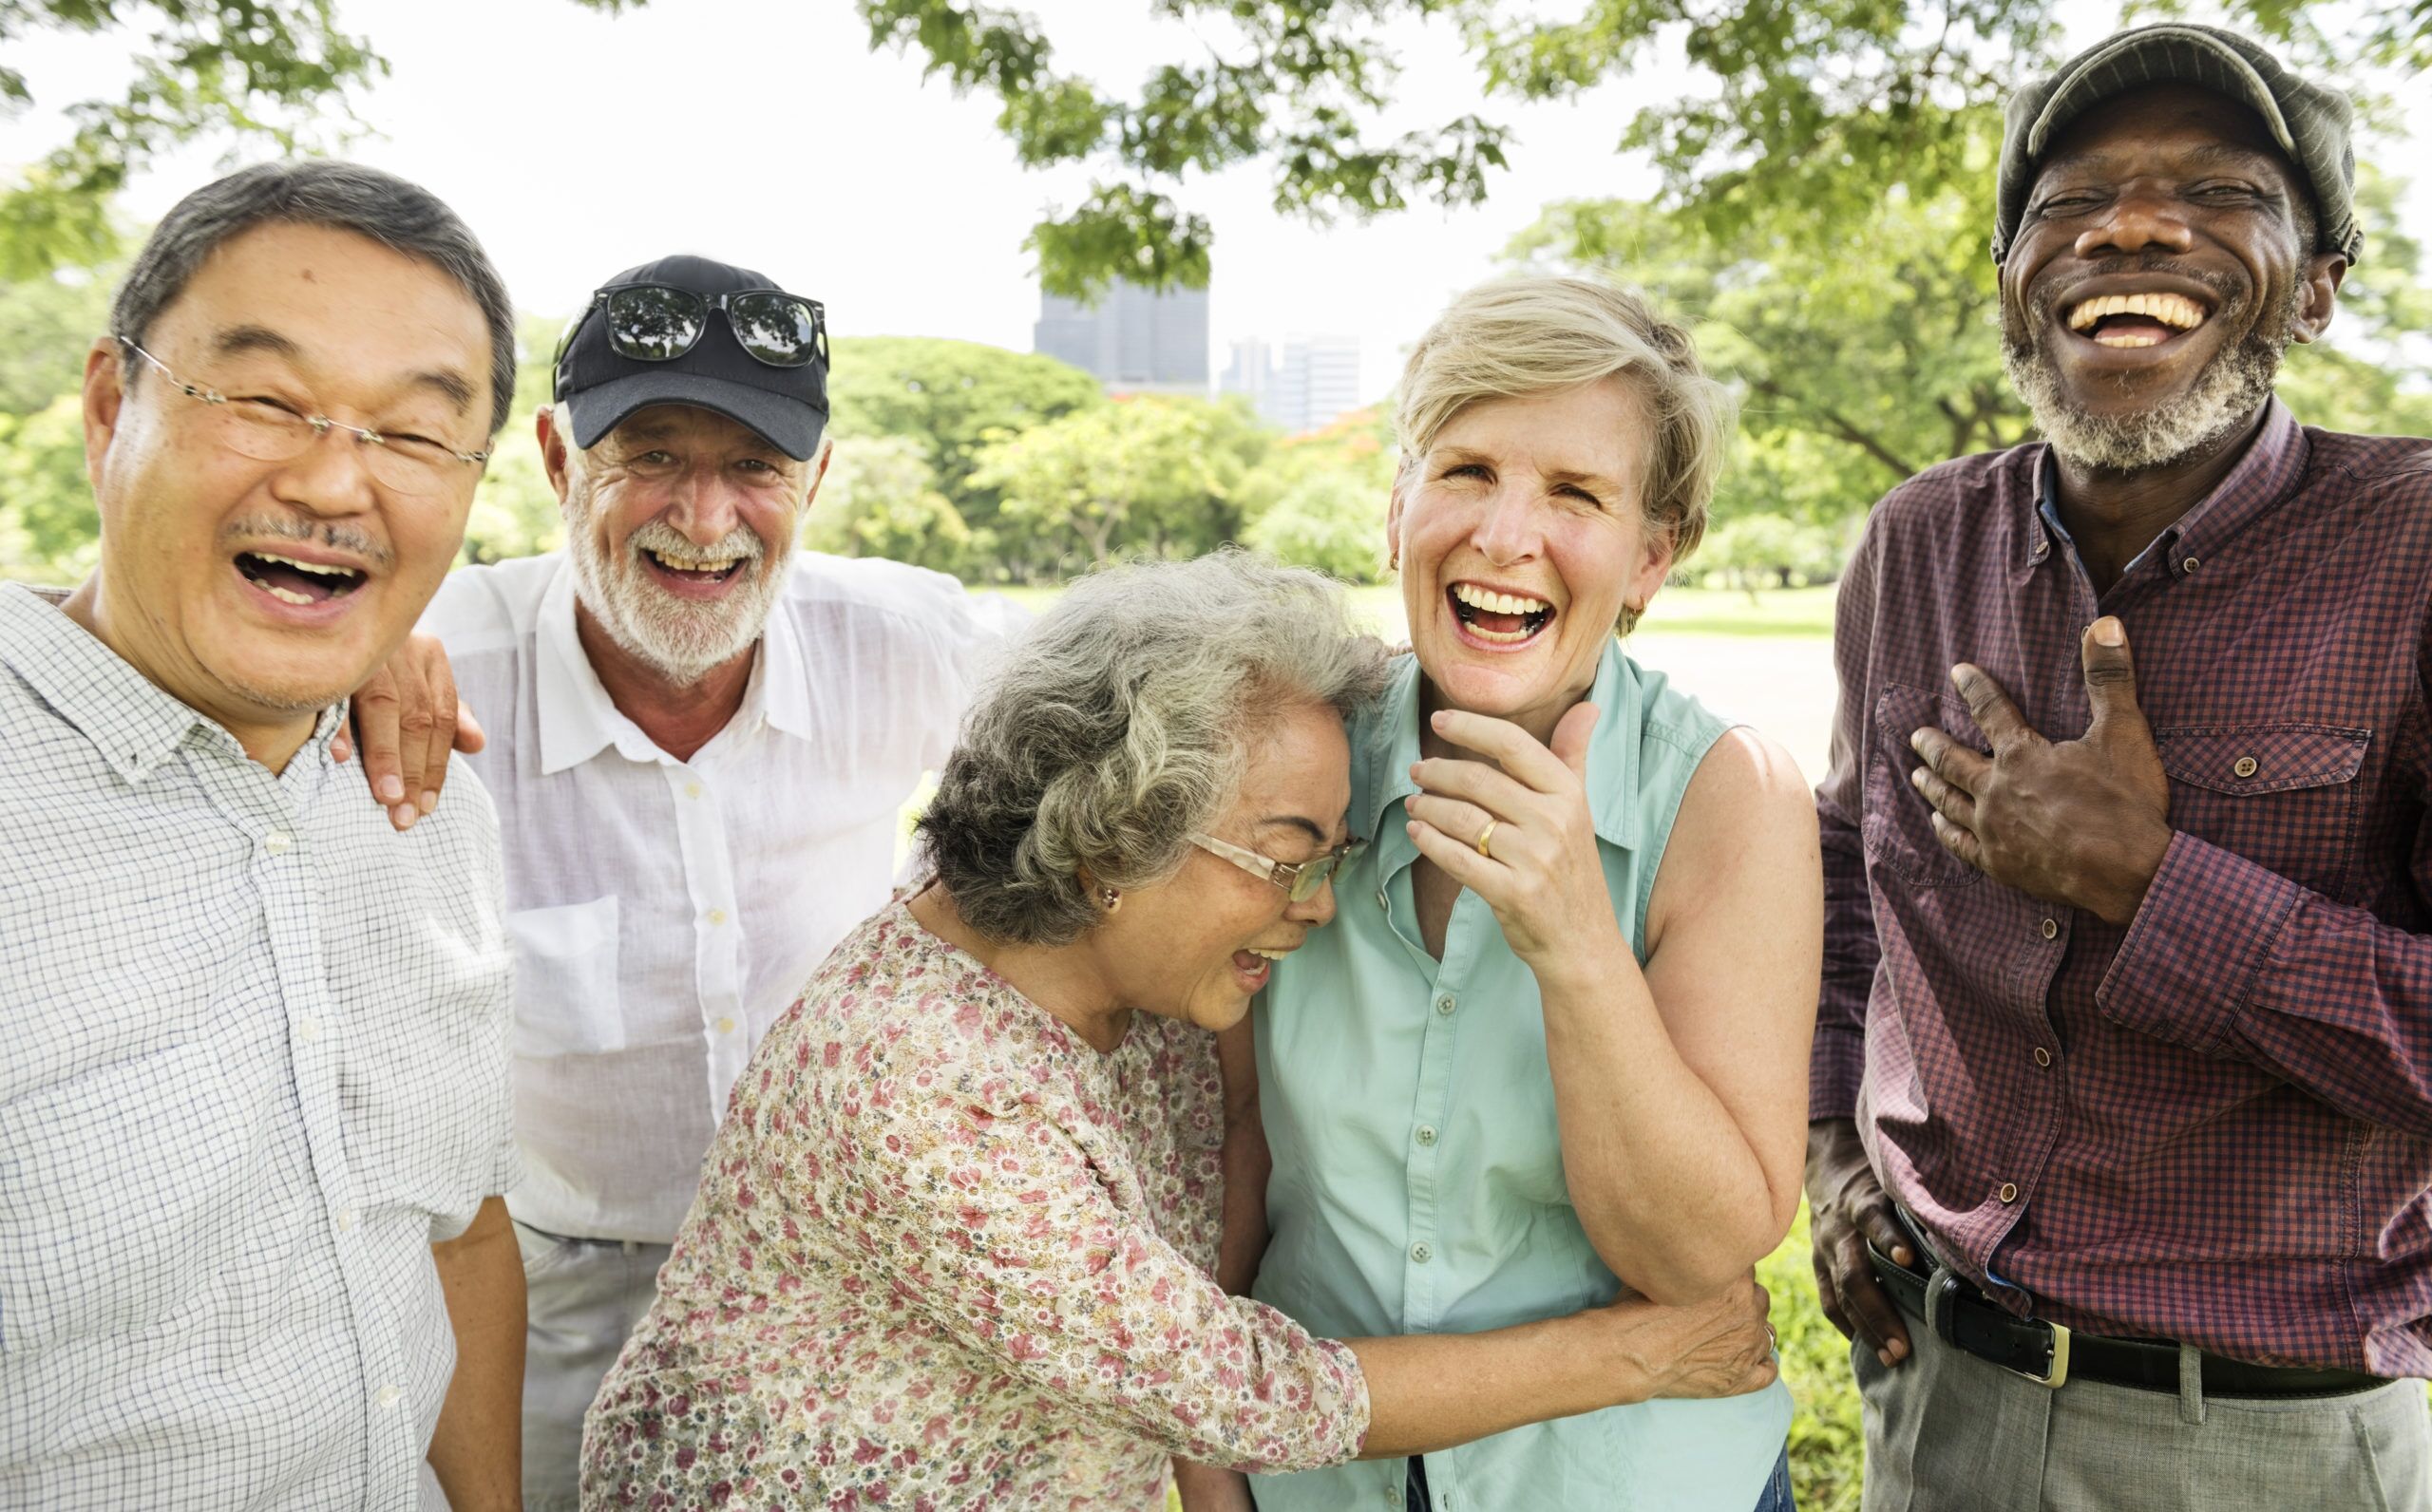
x=660, y=323
x=1301, y=880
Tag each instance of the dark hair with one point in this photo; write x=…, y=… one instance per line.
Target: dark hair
x=402, y=216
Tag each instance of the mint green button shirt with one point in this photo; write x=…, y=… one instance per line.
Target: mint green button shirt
x=1419, y=1184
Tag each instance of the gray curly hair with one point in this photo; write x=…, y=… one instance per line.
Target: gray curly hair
x=1121, y=724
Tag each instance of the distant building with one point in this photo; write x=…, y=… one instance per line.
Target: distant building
x=1132, y=340
x=1312, y=383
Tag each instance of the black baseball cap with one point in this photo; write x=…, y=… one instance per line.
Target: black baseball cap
x=2310, y=122
x=595, y=386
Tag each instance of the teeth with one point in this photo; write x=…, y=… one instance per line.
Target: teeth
x=288, y=596
x=696, y=564
x=317, y=569
x=2175, y=311
x=1273, y=955
x=1495, y=603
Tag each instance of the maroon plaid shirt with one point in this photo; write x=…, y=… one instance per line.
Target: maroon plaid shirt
x=2215, y=1125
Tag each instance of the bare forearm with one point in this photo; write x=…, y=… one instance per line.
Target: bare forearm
x=477, y=1450
x=1430, y=1392
x=1667, y=1184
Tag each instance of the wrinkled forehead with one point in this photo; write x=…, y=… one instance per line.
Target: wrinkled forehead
x=2168, y=128
x=665, y=424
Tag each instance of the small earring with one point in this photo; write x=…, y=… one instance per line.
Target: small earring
x=1112, y=898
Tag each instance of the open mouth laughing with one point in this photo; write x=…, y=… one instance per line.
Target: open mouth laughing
x=1496, y=618
x=297, y=582
x=2131, y=321
x=685, y=568
x=1254, y=964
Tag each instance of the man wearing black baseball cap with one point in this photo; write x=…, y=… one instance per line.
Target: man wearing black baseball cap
x=698, y=740
x=2121, y=1095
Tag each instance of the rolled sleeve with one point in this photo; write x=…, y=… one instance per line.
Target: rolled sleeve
x=2197, y=945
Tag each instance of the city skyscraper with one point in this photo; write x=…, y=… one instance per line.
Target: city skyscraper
x=1134, y=340
x=1310, y=382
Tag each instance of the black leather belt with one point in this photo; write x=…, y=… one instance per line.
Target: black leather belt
x=2050, y=1354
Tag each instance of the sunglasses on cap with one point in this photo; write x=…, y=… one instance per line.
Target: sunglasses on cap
x=652, y=322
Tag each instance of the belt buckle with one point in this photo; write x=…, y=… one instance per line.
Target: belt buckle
x=1942, y=1301
x=2057, y=1375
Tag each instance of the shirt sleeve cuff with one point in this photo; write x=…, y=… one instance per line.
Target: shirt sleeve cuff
x=2196, y=945
x=1835, y=1068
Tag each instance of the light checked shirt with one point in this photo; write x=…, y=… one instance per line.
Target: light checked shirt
x=255, y=1067
x=664, y=912
x=1418, y=1182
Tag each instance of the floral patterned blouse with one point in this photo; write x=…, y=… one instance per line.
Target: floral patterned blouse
x=947, y=1256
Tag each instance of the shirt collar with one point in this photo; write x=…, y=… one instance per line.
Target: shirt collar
x=578, y=719
x=2272, y=465
x=1388, y=744
x=135, y=725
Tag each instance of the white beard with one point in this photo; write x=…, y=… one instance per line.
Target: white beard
x=679, y=639
x=2231, y=387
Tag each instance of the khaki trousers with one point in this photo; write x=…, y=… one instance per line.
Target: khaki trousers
x=1948, y=1432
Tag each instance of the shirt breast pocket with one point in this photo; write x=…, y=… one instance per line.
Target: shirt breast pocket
x=1898, y=825
x=566, y=998
x=2282, y=796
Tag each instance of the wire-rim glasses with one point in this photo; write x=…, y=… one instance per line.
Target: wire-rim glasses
x=269, y=429
x=656, y=322
x=1300, y=879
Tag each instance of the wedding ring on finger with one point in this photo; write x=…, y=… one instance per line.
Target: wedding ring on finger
x=1484, y=836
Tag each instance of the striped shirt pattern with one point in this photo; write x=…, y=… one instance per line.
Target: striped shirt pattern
x=256, y=1066
x=2215, y=1125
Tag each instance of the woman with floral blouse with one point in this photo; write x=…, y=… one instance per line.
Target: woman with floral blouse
x=955, y=1241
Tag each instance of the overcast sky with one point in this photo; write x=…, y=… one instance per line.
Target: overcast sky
x=768, y=135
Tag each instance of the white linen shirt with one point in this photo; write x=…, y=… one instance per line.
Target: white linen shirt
x=253, y=1065
x=664, y=912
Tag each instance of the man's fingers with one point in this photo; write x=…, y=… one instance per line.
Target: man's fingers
x=375, y=711
x=1948, y=760
x=1989, y=707
x=1948, y=801
x=2111, y=682
x=1827, y=1291
x=1960, y=841
x=442, y=739
x=1874, y=1317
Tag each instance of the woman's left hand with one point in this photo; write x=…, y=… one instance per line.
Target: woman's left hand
x=1540, y=871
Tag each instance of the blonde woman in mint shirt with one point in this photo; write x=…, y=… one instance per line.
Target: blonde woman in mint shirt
x=1555, y=1044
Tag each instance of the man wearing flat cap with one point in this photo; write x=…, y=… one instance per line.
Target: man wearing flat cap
x=698, y=741
x=2122, y=1081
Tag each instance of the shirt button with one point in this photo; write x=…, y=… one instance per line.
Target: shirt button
x=1393, y=1494
x=1381, y=898
x=718, y=915
x=307, y=1028
x=2189, y=565
x=2042, y=1057
x=276, y=841
x=692, y=789
x=1444, y=1004
x=346, y=1221
x=2051, y=928
x=2246, y=767
x=389, y=1396
x=2010, y=1192
x=726, y=1026
x=1422, y=1252
x=1427, y=1133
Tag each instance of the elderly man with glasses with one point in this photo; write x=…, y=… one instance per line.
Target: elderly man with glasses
x=254, y=1105
x=698, y=740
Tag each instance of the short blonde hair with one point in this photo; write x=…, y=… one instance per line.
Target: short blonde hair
x=1531, y=335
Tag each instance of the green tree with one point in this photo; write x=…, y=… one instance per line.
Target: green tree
x=48, y=531
x=51, y=321
x=266, y=74
x=881, y=498
x=1150, y=475
x=1784, y=110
